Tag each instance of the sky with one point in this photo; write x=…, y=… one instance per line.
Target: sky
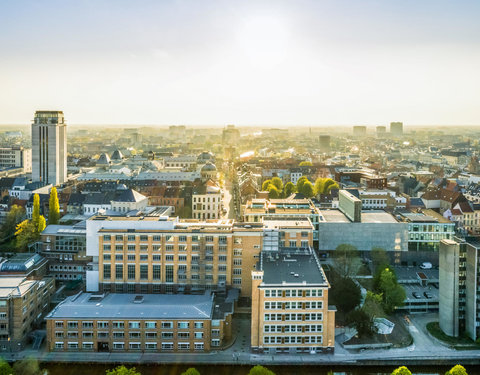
x=206, y=62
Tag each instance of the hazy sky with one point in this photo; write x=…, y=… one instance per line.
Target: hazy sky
x=241, y=62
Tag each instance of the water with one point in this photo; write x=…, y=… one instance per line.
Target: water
x=76, y=369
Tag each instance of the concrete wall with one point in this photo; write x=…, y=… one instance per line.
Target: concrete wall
x=448, y=292
x=471, y=292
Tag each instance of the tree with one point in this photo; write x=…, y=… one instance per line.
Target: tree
x=300, y=183
x=289, y=189
x=13, y=218
x=402, y=371
x=26, y=233
x=42, y=224
x=260, y=370
x=457, y=370
x=265, y=185
x=273, y=192
x=36, y=210
x=5, y=368
x=54, y=207
x=393, y=294
x=27, y=366
x=329, y=186
x=361, y=321
x=345, y=295
x=278, y=183
x=346, y=260
x=379, y=258
x=305, y=163
x=324, y=185
x=307, y=189
x=191, y=371
x=373, y=305
x=122, y=370
x=185, y=212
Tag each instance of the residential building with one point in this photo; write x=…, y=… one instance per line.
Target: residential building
x=207, y=201
x=23, y=304
x=324, y=143
x=396, y=128
x=49, y=147
x=290, y=312
x=359, y=131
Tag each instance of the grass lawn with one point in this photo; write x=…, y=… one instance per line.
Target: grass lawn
x=456, y=342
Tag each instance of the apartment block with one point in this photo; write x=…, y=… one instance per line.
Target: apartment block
x=290, y=312
x=16, y=157
x=23, y=304
x=140, y=323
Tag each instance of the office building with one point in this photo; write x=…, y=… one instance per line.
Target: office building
x=396, y=128
x=16, y=157
x=324, y=141
x=49, y=147
x=381, y=130
x=23, y=304
x=290, y=312
x=140, y=323
x=359, y=131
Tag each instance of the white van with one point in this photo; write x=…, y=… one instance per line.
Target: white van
x=426, y=266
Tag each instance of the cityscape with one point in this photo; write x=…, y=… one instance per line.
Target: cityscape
x=156, y=233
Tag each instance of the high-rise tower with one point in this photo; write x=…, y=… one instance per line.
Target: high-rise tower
x=49, y=147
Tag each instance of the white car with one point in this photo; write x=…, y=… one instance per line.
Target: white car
x=426, y=266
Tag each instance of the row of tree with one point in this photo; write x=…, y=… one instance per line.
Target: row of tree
x=276, y=189
x=28, y=231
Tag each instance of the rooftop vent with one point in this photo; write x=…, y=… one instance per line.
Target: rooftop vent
x=138, y=299
x=96, y=297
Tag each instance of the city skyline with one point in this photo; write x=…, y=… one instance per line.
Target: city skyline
x=216, y=63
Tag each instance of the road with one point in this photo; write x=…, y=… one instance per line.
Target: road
x=228, y=200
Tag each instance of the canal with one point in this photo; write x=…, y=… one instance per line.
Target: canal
x=76, y=369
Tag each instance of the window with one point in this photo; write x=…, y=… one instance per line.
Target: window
x=102, y=324
x=167, y=335
x=151, y=335
x=58, y=324
x=237, y=262
x=118, y=335
x=222, y=258
x=106, y=237
x=150, y=345
x=150, y=325
x=156, y=271
x=119, y=271
x=169, y=258
x=131, y=237
x=134, y=325
x=183, y=335
x=107, y=247
x=183, y=325
x=119, y=325
x=167, y=345
x=131, y=272
x=143, y=238
x=156, y=258
x=72, y=325
x=183, y=346
x=167, y=325
x=182, y=239
x=237, y=281
x=199, y=346
x=131, y=247
x=87, y=325
x=215, y=342
x=143, y=247
x=107, y=257
x=107, y=271
x=143, y=271
x=169, y=273
x=119, y=257
x=131, y=257
x=157, y=238
x=73, y=345
x=118, y=247
x=59, y=345
x=118, y=345
x=199, y=335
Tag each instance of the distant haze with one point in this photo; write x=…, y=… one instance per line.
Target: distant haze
x=265, y=63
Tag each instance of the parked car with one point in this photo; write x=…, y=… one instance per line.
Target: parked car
x=428, y=295
x=416, y=295
x=426, y=266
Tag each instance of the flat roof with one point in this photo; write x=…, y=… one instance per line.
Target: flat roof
x=291, y=268
x=122, y=306
x=367, y=216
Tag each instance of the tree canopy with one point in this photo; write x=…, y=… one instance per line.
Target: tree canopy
x=122, y=370
x=345, y=294
x=361, y=321
x=5, y=368
x=305, y=163
x=278, y=183
x=289, y=189
x=402, y=371
x=324, y=185
x=457, y=370
x=191, y=371
x=346, y=260
x=393, y=294
x=260, y=370
x=54, y=207
x=13, y=218
x=27, y=366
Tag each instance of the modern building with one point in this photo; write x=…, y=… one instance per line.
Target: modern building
x=324, y=143
x=140, y=323
x=23, y=304
x=290, y=312
x=49, y=147
x=16, y=157
x=381, y=130
x=396, y=128
x=359, y=131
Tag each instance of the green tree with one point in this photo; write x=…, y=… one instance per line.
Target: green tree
x=307, y=189
x=5, y=368
x=122, y=370
x=27, y=366
x=305, y=163
x=361, y=321
x=402, y=371
x=393, y=294
x=289, y=189
x=13, y=218
x=36, y=210
x=345, y=295
x=379, y=258
x=457, y=370
x=324, y=185
x=301, y=181
x=373, y=305
x=191, y=371
x=265, y=185
x=346, y=260
x=54, y=207
x=329, y=186
x=278, y=183
x=273, y=192
x=318, y=187
x=42, y=224
x=260, y=370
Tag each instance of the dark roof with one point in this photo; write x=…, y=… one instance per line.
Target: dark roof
x=21, y=262
x=76, y=199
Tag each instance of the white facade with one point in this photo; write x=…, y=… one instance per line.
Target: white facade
x=295, y=176
x=207, y=206
x=16, y=157
x=49, y=147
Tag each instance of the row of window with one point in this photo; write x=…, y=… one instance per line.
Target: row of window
x=122, y=334
x=293, y=317
x=155, y=238
x=156, y=247
x=137, y=345
x=272, y=293
x=288, y=328
x=168, y=258
x=293, y=305
x=292, y=340
x=130, y=325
